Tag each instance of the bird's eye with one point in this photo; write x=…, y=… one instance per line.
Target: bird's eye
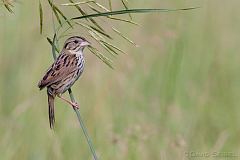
x=75, y=41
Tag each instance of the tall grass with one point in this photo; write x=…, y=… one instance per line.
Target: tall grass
x=177, y=92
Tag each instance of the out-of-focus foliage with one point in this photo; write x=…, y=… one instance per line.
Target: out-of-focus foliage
x=8, y=4
x=177, y=92
x=96, y=30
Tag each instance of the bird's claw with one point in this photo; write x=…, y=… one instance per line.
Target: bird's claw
x=75, y=105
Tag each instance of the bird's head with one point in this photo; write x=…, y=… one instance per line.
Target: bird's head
x=76, y=44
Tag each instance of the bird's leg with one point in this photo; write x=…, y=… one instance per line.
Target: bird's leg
x=74, y=104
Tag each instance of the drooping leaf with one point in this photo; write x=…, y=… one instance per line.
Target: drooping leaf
x=113, y=46
x=123, y=36
x=101, y=6
x=56, y=10
x=110, y=4
x=84, y=14
x=54, y=48
x=8, y=6
x=101, y=32
x=100, y=40
x=77, y=3
x=110, y=49
x=94, y=28
x=64, y=17
x=57, y=16
x=123, y=20
x=126, y=7
x=106, y=60
x=41, y=16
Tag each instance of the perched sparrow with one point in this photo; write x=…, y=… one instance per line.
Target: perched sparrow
x=64, y=72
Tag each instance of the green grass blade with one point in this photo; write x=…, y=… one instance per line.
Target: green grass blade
x=96, y=24
x=110, y=49
x=77, y=7
x=123, y=20
x=7, y=6
x=96, y=35
x=84, y=129
x=101, y=32
x=107, y=49
x=110, y=4
x=63, y=33
x=113, y=18
x=77, y=3
x=125, y=37
x=133, y=11
x=85, y=14
x=113, y=46
x=106, y=60
x=126, y=7
x=101, y=6
x=94, y=29
x=53, y=45
x=98, y=38
x=41, y=17
x=64, y=17
x=55, y=12
x=94, y=9
x=57, y=16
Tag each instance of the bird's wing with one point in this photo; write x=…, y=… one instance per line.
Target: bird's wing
x=61, y=68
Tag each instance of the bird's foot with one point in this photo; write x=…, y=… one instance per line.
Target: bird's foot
x=75, y=105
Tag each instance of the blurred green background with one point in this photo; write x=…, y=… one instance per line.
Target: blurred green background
x=176, y=93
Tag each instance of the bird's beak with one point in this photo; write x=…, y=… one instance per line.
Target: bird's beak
x=85, y=43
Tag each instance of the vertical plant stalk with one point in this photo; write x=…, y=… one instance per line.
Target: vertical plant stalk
x=84, y=129
x=77, y=111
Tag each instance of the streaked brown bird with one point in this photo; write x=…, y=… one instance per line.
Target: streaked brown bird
x=67, y=68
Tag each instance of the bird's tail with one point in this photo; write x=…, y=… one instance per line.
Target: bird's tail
x=51, y=110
